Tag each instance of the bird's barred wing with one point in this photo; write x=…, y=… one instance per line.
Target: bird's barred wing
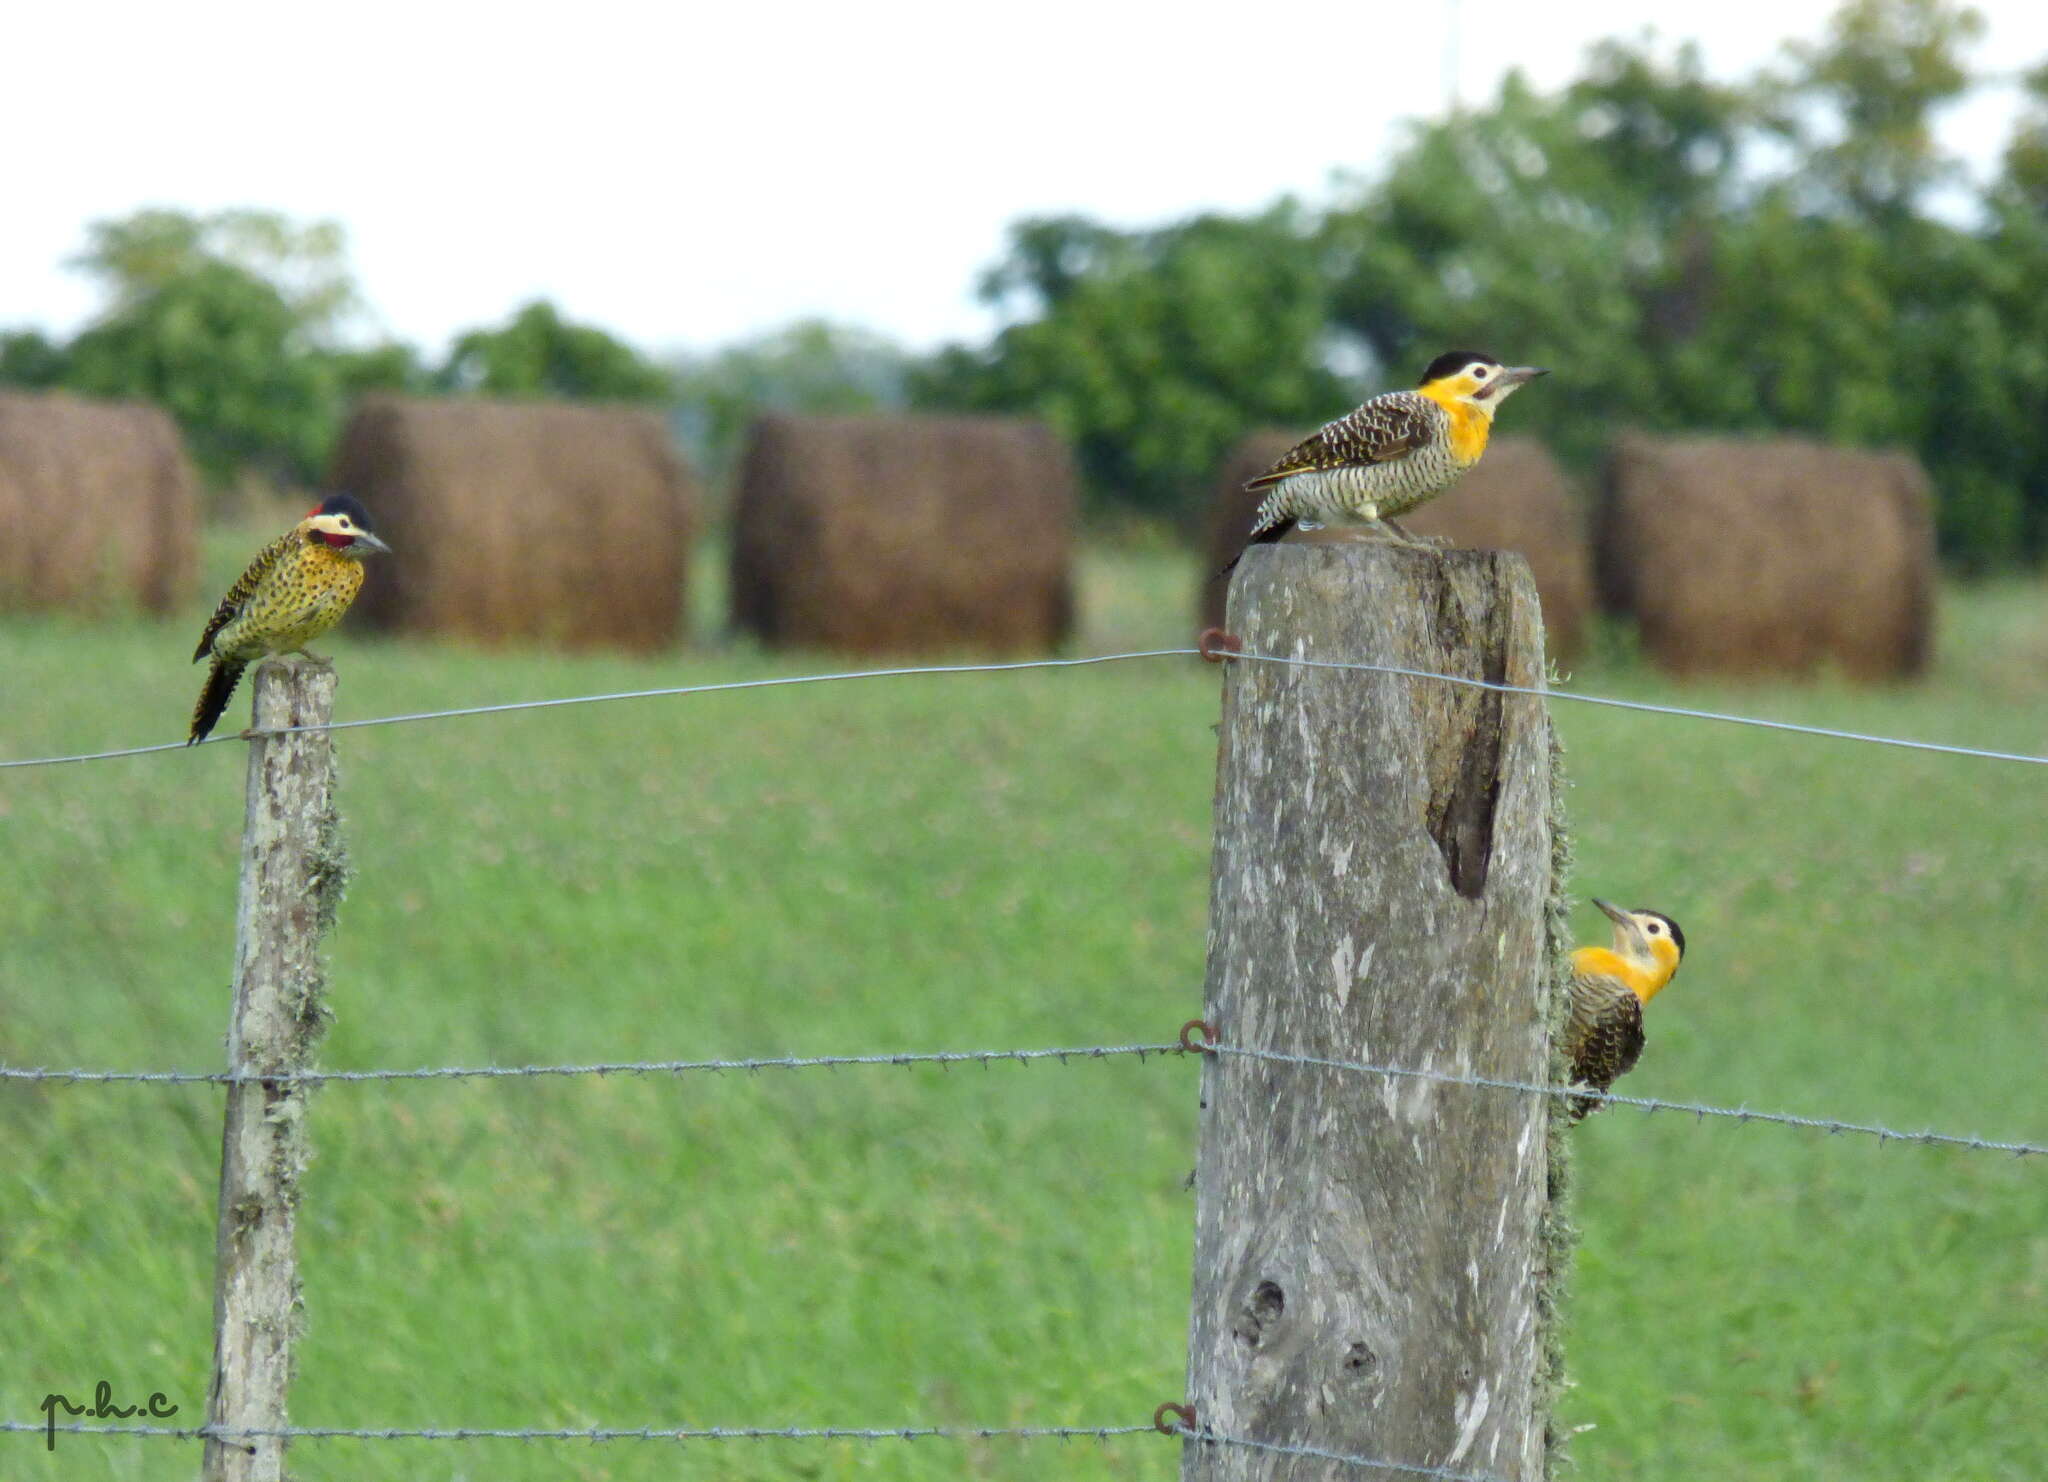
x=1604, y=1036
x=244, y=588
x=1385, y=428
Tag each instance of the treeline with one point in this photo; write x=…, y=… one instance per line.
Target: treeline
x=1788, y=252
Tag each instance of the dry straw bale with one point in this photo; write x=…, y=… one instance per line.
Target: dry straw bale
x=1517, y=499
x=1779, y=556
x=532, y=521
x=871, y=534
x=99, y=507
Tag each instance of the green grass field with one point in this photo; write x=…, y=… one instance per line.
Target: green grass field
x=1013, y=860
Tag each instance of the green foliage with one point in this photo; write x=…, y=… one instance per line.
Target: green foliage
x=222, y=350
x=1152, y=352
x=1573, y=230
x=31, y=360
x=230, y=323
x=539, y=353
x=140, y=255
x=812, y=366
x=2025, y=181
x=1686, y=254
x=245, y=327
x=1860, y=103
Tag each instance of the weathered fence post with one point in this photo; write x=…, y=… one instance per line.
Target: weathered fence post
x=1373, y=1254
x=293, y=872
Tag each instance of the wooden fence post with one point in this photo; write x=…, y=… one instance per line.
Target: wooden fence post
x=1374, y=1256
x=293, y=873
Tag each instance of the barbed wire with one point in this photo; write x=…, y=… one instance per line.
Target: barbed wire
x=1499, y=687
x=682, y=1434
x=598, y=1068
x=589, y=1433
x=1697, y=1110
x=1367, y=1463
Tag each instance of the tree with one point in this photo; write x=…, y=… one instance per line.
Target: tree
x=1860, y=104
x=31, y=360
x=232, y=323
x=539, y=353
x=811, y=366
x=306, y=265
x=223, y=352
x=2024, y=182
x=1153, y=352
x=1575, y=229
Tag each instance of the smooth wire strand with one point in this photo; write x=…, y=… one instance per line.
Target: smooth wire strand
x=775, y=682
x=1646, y=707
x=1697, y=1110
x=600, y=1068
x=945, y=1058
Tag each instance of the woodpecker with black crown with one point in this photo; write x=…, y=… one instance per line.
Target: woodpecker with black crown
x=1399, y=450
x=296, y=589
x=1603, y=1036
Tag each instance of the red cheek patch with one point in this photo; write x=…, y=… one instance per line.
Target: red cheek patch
x=337, y=541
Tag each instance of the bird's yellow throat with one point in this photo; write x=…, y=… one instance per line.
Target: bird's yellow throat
x=1645, y=982
x=1470, y=425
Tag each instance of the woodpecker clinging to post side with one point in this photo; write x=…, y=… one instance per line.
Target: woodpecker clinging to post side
x=1610, y=985
x=1400, y=449
x=296, y=589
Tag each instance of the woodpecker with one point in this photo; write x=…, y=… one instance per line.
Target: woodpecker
x=296, y=589
x=1610, y=985
x=1399, y=450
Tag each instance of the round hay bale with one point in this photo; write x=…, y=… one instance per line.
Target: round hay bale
x=99, y=505
x=1752, y=556
x=521, y=521
x=872, y=534
x=1517, y=499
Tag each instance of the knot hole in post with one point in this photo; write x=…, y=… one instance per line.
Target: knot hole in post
x=1464, y=735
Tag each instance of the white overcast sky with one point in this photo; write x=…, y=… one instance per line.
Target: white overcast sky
x=684, y=174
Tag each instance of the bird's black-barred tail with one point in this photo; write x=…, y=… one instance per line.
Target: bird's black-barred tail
x=1264, y=537
x=221, y=680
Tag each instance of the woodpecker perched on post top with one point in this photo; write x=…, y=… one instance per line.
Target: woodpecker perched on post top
x=296, y=589
x=1604, y=1036
x=1399, y=450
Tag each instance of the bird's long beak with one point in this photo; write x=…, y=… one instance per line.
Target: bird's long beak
x=372, y=542
x=1629, y=938
x=1519, y=375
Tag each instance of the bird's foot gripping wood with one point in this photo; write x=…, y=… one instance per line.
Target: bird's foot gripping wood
x=1401, y=535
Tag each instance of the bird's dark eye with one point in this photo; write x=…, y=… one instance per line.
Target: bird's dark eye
x=1480, y=373
x=1653, y=928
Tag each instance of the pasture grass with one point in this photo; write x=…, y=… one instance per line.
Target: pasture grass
x=964, y=862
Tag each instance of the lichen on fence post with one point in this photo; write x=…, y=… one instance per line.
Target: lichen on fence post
x=1376, y=1257
x=293, y=873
